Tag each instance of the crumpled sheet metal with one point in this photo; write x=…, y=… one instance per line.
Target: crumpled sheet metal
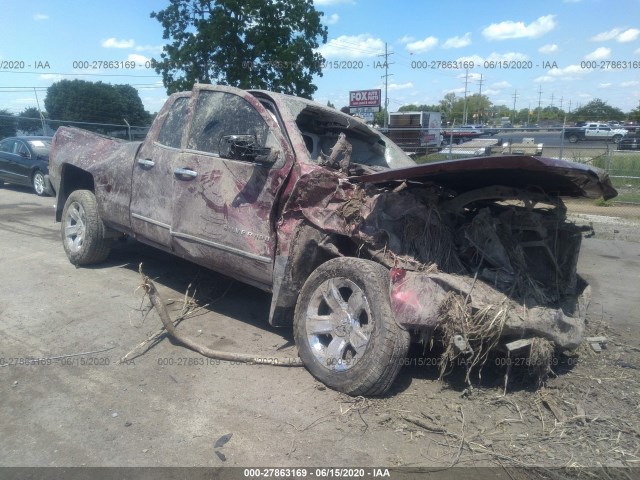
x=416, y=299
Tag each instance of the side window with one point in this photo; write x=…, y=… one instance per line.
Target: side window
x=7, y=146
x=222, y=118
x=171, y=131
x=22, y=150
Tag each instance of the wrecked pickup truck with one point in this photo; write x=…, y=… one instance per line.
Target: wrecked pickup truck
x=361, y=248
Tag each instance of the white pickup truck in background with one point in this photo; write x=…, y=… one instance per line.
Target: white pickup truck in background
x=594, y=131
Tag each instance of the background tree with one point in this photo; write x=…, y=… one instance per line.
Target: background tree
x=29, y=121
x=8, y=124
x=82, y=101
x=634, y=115
x=267, y=44
x=597, y=110
x=330, y=105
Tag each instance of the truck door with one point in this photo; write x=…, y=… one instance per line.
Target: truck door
x=226, y=184
x=152, y=178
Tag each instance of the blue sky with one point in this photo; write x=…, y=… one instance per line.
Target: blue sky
x=557, y=39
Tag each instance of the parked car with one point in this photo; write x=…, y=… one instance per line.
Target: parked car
x=25, y=161
x=361, y=248
x=631, y=141
x=489, y=130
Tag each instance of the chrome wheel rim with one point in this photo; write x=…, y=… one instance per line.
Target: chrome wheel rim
x=38, y=183
x=75, y=227
x=338, y=324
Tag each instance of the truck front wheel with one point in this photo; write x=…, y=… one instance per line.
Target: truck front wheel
x=83, y=233
x=573, y=138
x=345, y=330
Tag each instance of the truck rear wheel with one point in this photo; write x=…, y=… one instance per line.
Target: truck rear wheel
x=83, y=233
x=345, y=330
x=616, y=138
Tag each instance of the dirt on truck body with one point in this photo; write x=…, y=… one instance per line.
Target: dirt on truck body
x=360, y=247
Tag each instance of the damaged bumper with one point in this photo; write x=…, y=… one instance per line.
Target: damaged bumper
x=420, y=301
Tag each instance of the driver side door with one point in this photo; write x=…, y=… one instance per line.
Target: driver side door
x=226, y=185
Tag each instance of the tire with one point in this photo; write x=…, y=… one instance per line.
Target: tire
x=353, y=344
x=616, y=138
x=38, y=184
x=573, y=138
x=83, y=233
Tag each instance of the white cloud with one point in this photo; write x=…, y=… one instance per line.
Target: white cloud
x=637, y=52
x=550, y=48
x=134, y=57
x=400, y=86
x=604, y=36
x=628, y=35
x=490, y=91
x=454, y=90
x=508, y=57
x=115, y=43
x=407, y=39
x=471, y=76
x=476, y=59
x=571, y=72
x=598, y=54
x=503, y=84
x=458, y=42
x=51, y=76
x=352, y=46
x=632, y=83
x=619, y=34
x=544, y=79
x=510, y=29
x=605, y=85
x=333, y=19
x=421, y=46
x=40, y=16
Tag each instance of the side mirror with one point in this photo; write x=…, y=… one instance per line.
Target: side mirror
x=245, y=147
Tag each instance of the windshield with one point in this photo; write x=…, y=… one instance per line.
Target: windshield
x=321, y=128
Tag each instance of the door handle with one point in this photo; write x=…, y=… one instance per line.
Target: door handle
x=185, y=172
x=146, y=162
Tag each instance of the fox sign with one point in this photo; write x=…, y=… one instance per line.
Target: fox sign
x=365, y=98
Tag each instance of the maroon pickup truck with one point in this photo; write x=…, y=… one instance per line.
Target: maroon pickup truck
x=362, y=249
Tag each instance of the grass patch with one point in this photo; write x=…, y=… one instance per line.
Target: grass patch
x=601, y=202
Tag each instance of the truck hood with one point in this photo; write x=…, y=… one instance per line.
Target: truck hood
x=554, y=177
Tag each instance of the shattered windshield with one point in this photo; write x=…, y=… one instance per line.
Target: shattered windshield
x=337, y=140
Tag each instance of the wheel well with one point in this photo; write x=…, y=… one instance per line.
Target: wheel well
x=72, y=178
x=309, y=249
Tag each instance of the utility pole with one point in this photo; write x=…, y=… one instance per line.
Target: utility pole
x=466, y=81
x=479, y=101
x=386, y=84
x=539, y=101
x=44, y=132
x=552, y=100
x=515, y=96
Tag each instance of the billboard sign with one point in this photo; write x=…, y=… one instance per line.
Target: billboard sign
x=365, y=98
